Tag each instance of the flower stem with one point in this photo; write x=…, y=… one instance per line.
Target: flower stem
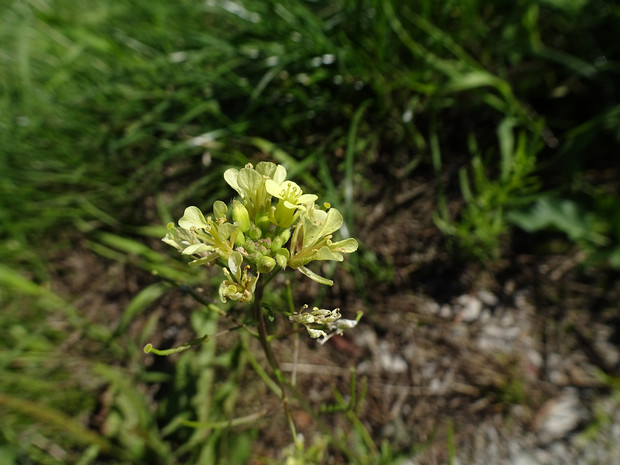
x=271, y=358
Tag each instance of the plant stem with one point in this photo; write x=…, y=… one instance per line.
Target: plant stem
x=291, y=309
x=285, y=384
x=271, y=358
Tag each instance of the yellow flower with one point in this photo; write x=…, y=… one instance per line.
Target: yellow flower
x=312, y=241
x=202, y=237
x=250, y=184
x=238, y=285
x=292, y=201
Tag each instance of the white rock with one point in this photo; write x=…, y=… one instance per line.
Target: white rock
x=445, y=311
x=487, y=297
x=559, y=415
x=471, y=311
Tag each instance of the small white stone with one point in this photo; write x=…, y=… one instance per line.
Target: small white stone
x=445, y=311
x=393, y=363
x=560, y=415
x=487, y=297
x=471, y=310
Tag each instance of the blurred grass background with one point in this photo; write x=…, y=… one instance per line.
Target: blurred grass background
x=116, y=115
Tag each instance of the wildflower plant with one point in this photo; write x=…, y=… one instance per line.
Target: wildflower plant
x=272, y=226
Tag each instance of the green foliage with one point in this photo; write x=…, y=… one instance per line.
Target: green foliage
x=595, y=229
x=115, y=115
x=483, y=221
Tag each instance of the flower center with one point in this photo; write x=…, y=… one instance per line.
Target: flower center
x=291, y=193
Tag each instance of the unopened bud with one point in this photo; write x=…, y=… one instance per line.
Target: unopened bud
x=280, y=240
x=241, y=217
x=282, y=256
x=255, y=233
x=240, y=240
x=265, y=264
x=262, y=221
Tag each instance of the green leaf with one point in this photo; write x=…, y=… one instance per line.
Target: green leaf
x=564, y=215
x=140, y=303
x=472, y=80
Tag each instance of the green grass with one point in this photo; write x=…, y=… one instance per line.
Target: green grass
x=117, y=115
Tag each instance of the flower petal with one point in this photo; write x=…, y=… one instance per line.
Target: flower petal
x=193, y=217
x=347, y=246
x=234, y=264
x=220, y=209
x=249, y=182
x=280, y=174
x=274, y=188
x=196, y=248
x=325, y=253
x=315, y=277
x=230, y=176
x=307, y=198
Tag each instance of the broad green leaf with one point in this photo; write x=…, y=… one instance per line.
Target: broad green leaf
x=561, y=214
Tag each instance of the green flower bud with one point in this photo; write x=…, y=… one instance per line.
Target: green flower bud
x=263, y=246
x=240, y=216
x=280, y=240
x=240, y=241
x=254, y=232
x=282, y=256
x=265, y=264
x=250, y=246
x=262, y=221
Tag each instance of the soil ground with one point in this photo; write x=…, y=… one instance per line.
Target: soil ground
x=510, y=357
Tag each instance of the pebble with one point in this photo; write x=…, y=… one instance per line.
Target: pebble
x=487, y=297
x=471, y=308
x=559, y=416
x=553, y=436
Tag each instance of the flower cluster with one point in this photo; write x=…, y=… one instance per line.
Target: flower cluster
x=273, y=225
x=320, y=320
